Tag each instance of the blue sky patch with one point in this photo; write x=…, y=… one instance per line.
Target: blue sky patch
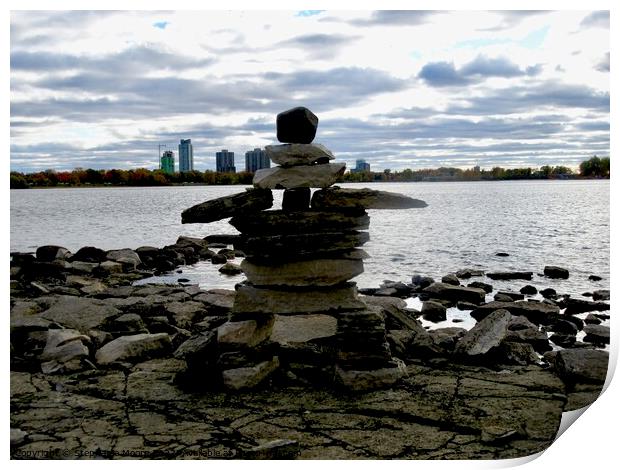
x=161, y=24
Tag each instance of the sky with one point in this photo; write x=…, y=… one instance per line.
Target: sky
x=397, y=88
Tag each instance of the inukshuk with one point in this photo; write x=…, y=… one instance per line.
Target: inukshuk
x=299, y=261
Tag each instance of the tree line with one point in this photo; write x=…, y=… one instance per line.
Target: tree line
x=595, y=167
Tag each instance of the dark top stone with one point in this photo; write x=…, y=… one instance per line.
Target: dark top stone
x=252, y=200
x=296, y=126
x=90, y=254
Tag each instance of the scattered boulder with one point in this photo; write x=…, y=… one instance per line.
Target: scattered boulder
x=595, y=278
x=582, y=365
x=446, y=338
x=536, y=312
x=134, y=348
x=597, y=334
x=508, y=296
x=421, y=282
x=538, y=339
x=529, y=290
x=602, y=294
x=231, y=269
x=129, y=259
x=433, y=311
x=49, y=253
x=487, y=288
x=592, y=319
x=502, y=254
x=455, y=293
x=451, y=279
x=219, y=258
x=89, y=254
x=486, y=334
x=549, y=293
x=555, y=272
x=576, y=306
x=510, y=352
x=564, y=327
x=468, y=273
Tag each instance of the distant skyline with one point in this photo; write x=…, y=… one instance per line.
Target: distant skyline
x=399, y=89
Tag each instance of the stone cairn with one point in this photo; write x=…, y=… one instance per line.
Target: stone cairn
x=299, y=262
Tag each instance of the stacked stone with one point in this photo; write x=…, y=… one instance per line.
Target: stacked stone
x=299, y=262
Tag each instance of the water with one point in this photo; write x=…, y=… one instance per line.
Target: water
x=564, y=223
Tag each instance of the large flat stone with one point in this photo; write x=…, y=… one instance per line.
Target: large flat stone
x=280, y=222
x=536, y=312
x=307, y=176
x=316, y=272
x=451, y=292
x=288, y=155
x=367, y=198
x=80, y=313
x=582, y=365
x=250, y=299
x=294, y=246
x=252, y=200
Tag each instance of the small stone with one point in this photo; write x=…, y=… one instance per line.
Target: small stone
x=433, y=311
x=502, y=254
x=451, y=279
x=231, y=269
x=315, y=176
x=529, y=290
x=249, y=377
x=296, y=126
x=592, y=319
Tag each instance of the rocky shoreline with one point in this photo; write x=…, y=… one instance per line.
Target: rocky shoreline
x=498, y=393
x=295, y=362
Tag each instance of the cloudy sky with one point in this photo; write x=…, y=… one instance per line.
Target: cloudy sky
x=400, y=89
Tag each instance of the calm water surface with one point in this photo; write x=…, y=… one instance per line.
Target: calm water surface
x=563, y=223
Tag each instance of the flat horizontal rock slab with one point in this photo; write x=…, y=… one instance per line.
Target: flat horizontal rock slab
x=303, y=328
x=251, y=200
x=300, y=245
x=288, y=155
x=366, y=198
x=506, y=275
x=307, y=176
x=536, y=312
x=316, y=272
x=250, y=299
x=280, y=222
x=440, y=290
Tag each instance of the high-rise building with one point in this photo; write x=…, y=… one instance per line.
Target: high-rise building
x=256, y=159
x=361, y=166
x=186, y=155
x=167, y=162
x=225, y=161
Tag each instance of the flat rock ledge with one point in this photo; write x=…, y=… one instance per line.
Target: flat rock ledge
x=433, y=413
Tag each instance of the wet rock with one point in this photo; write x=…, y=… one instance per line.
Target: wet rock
x=80, y=313
x=250, y=299
x=564, y=327
x=455, y=293
x=280, y=222
x=337, y=198
x=555, y=272
x=508, y=275
x=89, y=254
x=433, y=311
x=576, y=306
x=296, y=126
x=231, y=269
x=246, y=333
x=597, y=334
x=592, y=319
x=529, y=290
x=315, y=176
x=536, y=312
x=134, y=348
x=487, y=288
x=249, y=377
x=250, y=201
x=468, y=273
x=49, y=253
x=287, y=155
x=548, y=293
x=600, y=294
x=451, y=279
x=508, y=296
x=218, y=258
x=582, y=365
x=486, y=334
